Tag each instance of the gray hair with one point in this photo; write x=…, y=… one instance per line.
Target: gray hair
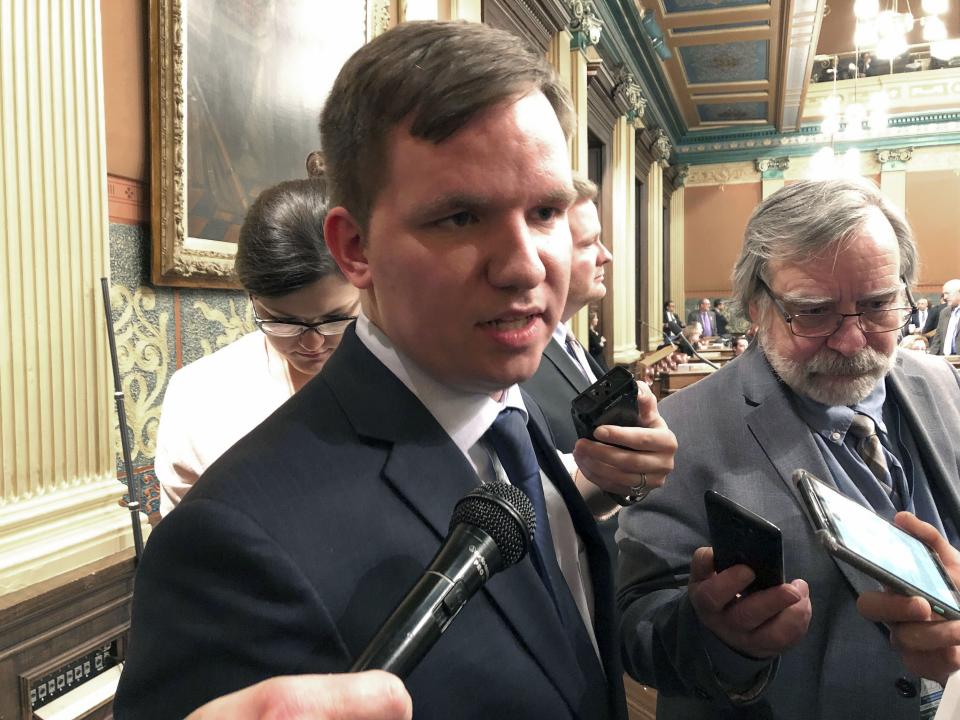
x=803, y=220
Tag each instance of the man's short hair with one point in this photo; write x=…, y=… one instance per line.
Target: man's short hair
x=432, y=77
x=585, y=188
x=802, y=220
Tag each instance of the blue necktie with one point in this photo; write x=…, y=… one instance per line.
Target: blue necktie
x=510, y=440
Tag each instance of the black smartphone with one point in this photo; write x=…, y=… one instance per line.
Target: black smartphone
x=878, y=548
x=611, y=400
x=740, y=536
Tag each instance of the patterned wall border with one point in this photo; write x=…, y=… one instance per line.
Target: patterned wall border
x=127, y=201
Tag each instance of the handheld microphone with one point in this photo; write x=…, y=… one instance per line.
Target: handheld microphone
x=491, y=529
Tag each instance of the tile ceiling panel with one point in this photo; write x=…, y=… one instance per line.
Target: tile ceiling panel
x=726, y=62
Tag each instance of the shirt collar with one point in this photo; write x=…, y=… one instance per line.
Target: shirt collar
x=560, y=333
x=463, y=415
x=832, y=422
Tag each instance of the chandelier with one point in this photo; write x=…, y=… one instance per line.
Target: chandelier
x=882, y=28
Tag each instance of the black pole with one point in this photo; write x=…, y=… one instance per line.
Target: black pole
x=133, y=487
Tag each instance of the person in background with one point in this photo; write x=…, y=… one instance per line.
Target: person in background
x=302, y=303
x=919, y=318
x=946, y=341
x=824, y=271
x=671, y=322
x=705, y=316
x=914, y=342
x=740, y=344
x=718, y=307
x=597, y=341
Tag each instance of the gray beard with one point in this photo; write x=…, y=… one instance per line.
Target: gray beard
x=830, y=378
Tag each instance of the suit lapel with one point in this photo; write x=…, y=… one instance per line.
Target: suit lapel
x=555, y=353
x=432, y=475
x=921, y=409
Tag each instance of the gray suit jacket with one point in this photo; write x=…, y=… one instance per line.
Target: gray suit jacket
x=939, y=340
x=738, y=434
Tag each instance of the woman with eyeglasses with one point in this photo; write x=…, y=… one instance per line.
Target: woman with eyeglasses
x=301, y=305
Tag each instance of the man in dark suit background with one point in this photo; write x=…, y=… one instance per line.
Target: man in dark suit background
x=296, y=545
x=671, y=321
x=933, y=316
x=705, y=316
x=946, y=341
x=565, y=370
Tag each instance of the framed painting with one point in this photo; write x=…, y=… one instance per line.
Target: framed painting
x=236, y=89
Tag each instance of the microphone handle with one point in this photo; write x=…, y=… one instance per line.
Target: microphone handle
x=461, y=566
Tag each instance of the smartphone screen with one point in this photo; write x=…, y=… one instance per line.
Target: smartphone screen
x=866, y=534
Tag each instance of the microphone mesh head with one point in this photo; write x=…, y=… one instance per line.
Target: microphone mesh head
x=504, y=512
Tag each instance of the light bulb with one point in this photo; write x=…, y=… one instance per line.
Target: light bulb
x=890, y=47
x=850, y=164
x=866, y=9
x=945, y=49
x=853, y=116
x=830, y=125
x=906, y=22
x=933, y=7
x=865, y=35
x=822, y=165
x=934, y=29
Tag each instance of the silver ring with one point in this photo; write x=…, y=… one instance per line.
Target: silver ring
x=639, y=488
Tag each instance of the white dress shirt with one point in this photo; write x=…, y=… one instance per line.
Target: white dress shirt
x=466, y=417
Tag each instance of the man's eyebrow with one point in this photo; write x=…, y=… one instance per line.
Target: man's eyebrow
x=451, y=203
x=810, y=300
x=564, y=196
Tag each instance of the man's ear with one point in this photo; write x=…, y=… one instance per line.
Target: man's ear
x=754, y=312
x=345, y=241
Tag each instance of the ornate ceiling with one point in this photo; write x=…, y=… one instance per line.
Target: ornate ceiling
x=728, y=79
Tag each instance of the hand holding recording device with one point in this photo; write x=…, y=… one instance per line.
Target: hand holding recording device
x=876, y=547
x=611, y=400
x=741, y=537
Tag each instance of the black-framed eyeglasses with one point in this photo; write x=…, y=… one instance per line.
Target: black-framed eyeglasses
x=295, y=328
x=825, y=324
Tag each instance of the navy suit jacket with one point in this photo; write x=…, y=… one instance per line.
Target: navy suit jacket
x=295, y=546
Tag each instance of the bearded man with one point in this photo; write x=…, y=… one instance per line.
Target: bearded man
x=824, y=272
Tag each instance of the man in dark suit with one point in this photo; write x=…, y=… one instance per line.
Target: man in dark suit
x=933, y=316
x=705, y=316
x=824, y=272
x=298, y=543
x=565, y=370
x=919, y=318
x=946, y=341
x=671, y=322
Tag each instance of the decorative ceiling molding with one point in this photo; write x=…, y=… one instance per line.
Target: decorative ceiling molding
x=631, y=94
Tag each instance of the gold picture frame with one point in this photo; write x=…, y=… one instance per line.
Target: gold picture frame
x=199, y=194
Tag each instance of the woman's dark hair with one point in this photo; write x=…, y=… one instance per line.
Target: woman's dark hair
x=281, y=247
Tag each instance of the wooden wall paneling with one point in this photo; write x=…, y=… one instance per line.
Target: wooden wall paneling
x=51, y=624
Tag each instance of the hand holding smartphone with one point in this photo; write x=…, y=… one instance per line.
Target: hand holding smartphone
x=863, y=539
x=740, y=536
